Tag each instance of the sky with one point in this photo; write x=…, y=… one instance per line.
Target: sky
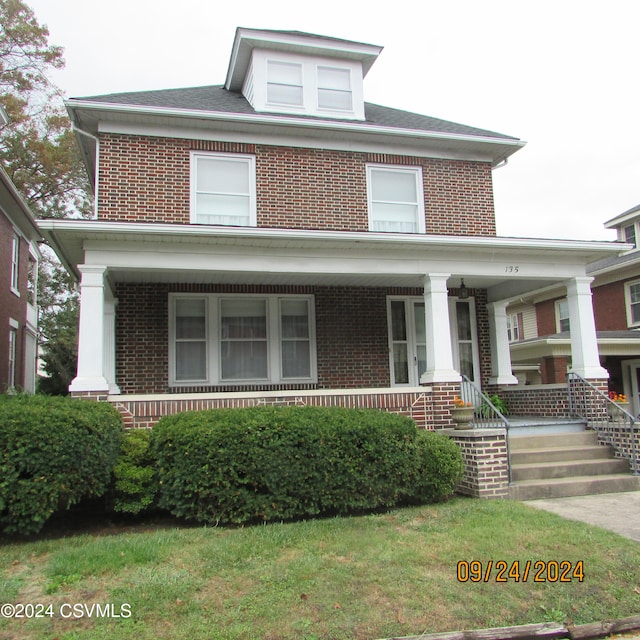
x=562, y=75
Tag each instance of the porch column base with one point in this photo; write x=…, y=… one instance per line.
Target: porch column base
x=444, y=375
x=503, y=379
x=97, y=384
x=591, y=373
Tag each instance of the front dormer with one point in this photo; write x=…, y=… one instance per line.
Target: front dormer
x=627, y=226
x=297, y=73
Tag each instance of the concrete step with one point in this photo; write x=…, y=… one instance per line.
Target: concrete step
x=561, y=454
x=577, y=486
x=568, y=469
x=553, y=440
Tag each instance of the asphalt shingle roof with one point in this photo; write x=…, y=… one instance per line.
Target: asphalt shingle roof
x=217, y=99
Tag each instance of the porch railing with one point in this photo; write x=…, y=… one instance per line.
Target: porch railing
x=486, y=415
x=615, y=426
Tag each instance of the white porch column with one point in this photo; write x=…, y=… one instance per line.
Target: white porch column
x=584, y=343
x=110, y=341
x=498, y=335
x=91, y=360
x=438, y=332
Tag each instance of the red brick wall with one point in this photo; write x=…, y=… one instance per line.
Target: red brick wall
x=609, y=307
x=12, y=306
x=146, y=179
x=546, y=317
x=351, y=335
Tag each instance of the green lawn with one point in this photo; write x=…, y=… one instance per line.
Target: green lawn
x=376, y=576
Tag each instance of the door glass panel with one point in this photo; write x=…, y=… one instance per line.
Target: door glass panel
x=421, y=338
x=400, y=364
x=398, y=323
x=464, y=320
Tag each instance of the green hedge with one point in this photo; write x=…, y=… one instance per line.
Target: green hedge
x=278, y=463
x=53, y=452
x=135, y=483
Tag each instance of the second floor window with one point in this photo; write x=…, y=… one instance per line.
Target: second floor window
x=514, y=327
x=223, y=189
x=562, y=315
x=396, y=201
x=15, y=259
x=633, y=303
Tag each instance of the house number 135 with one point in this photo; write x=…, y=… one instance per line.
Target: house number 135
x=512, y=268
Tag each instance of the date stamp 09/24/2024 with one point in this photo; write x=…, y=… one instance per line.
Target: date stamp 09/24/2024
x=520, y=571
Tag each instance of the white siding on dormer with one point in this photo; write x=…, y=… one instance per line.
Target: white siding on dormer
x=247, y=87
x=328, y=87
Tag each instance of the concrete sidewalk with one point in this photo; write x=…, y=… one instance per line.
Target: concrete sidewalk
x=618, y=512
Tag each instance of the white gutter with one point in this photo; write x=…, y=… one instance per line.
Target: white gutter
x=201, y=231
x=333, y=125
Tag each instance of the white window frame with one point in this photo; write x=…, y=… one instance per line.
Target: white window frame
x=628, y=303
x=319, y=88
x=250, y=162
x=514, y=330
x=559, y=317
x=12, y=353
x=14, y=285
x=416, y=171
x=300, y=85
x=257, y=92
x=623, y=234
x=213, y=354
x=412, y=337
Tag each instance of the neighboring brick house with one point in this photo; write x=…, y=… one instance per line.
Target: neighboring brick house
x=19, y=257
x=540, y=347
x=278, y=239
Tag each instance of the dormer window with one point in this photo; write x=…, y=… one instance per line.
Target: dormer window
x=284, y=83
x=629, y=234
x=334, y=89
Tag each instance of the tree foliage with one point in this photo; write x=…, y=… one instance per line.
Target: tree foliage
x=37, y=148
x=38, y=151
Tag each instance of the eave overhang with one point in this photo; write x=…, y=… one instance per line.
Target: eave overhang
x=556, y=345
x=504, y=266
x=91, y=117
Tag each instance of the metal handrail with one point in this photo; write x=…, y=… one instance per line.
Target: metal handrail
x=486, y=415
x=605, y=419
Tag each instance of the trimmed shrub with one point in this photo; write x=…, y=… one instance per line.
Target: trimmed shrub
x=279, y=463
x=135, y=483
x=53, y=452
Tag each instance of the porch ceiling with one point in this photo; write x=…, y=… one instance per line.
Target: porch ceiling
x=134, y=252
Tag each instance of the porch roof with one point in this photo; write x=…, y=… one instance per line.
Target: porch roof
x=143, y=252
x=610, y=343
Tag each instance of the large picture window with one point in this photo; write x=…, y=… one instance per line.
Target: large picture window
x=235, y=339
x=396, y=199
x=223, y=189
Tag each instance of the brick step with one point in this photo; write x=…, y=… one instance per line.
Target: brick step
x=553, y=440
x=560, y=454
x=577, y=486
x=568, y=469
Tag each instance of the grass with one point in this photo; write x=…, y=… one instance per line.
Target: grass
x=375, y=576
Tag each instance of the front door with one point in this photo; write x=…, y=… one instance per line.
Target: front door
x=407, y=339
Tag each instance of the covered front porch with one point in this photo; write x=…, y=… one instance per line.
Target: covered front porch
x=190, y=313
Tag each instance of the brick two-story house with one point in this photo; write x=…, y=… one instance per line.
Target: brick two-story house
x=19, y=257
x=540, y=342
x=278, y=239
